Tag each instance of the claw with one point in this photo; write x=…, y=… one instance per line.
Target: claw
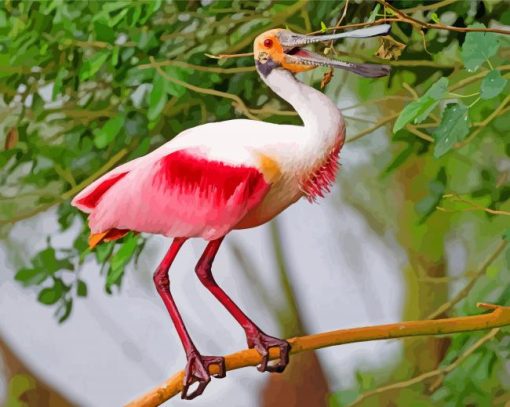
x=262, y=343
x=197, y=371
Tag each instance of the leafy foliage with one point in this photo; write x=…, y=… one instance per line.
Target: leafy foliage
x=454, y=127
x=418, y=110
x=492, y=85
x=478, y=48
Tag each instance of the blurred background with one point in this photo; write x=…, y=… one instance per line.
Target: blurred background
x=416, y=227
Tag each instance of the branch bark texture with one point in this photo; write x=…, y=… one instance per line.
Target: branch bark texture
x=497, y=317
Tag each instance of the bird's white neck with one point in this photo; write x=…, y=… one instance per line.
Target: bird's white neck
x=320, y=115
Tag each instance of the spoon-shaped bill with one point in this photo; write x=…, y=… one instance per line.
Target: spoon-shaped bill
x=289, y=39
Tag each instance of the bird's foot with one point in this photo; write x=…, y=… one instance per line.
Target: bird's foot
x=262, y=343
x=197, y=371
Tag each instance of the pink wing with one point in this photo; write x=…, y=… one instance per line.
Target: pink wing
x=181, y=194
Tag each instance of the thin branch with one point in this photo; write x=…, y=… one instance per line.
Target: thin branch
x=371, y=129
x=227, y=56
x=427, y=7
x=376, y=101
x=410, y=90
x=96, y=44
x=419, y=133
x=414, y=129
x=358, y=25
x=344, y=12
x=472, y=206
x=501, y=109
x=403, y=17
x=214, y=69
x=474, y=78
x=410, y=20
x=447, y=306
x=274, y=21
x=499, y=316
x=238, y=101
x=272, y=111
x=440, y=373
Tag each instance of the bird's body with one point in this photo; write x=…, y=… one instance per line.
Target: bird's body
x=245, y=172
x=229, y=175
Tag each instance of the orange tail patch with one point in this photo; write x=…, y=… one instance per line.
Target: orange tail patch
x=107, y=236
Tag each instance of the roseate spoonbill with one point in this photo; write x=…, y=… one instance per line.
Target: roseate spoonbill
x=229, y=175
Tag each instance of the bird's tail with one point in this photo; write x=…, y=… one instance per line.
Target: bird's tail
x=107, y=236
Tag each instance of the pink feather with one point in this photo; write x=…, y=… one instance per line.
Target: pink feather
x=182, y=194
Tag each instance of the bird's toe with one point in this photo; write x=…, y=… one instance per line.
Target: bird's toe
x=197, y=373
x=263, y=343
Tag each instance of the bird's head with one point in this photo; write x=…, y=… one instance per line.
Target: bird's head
x=282, y=49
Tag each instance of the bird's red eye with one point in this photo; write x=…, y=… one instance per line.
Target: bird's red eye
x=268, y=43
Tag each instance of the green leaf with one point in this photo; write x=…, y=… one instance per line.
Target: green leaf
x=478, y=47
x=31, y=276
x=454, y=127
x=51, y=295
x=104, y=136
x=434, y=17
x=507, y=258
x=103, y=251
x=428, y=205
x=104, y=32
x=123, y=255
x=177, y=73
x=119, y=261
x=492, y=85
x=81, y=289
x=419, y=109
x=324, y=27
x=47, y=261
x=93, y=64
x=374, y=13
x=64, y=310
x=145, y=40
x=399, y=159
x=57, y=86
x=3, y=19
x=157, y=98
x=506, y=235
x=115, y=55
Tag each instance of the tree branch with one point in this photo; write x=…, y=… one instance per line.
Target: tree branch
x=380, y=123
x=202, y=68
x=447, y=306
x=499, y=316
x=426, y=7
x=472, y=206
x=439, y=372
x=403, y=17
x=238, y=102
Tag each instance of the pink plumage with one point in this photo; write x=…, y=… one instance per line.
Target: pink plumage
x=320, y=181
x=180, y=194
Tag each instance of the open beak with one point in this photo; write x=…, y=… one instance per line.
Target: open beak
x=294, y=54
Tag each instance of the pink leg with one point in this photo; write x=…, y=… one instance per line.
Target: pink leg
x=255, y=336
x=197, y=368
